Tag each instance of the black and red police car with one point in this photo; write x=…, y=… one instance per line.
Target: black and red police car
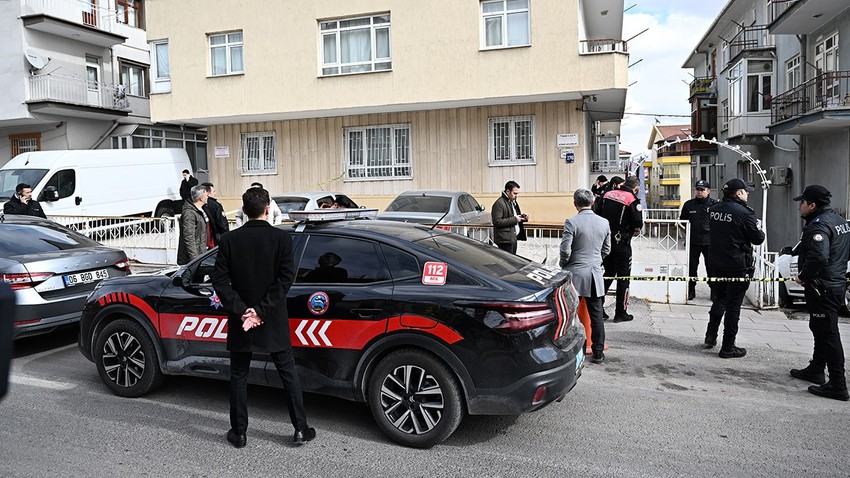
x=422, y=324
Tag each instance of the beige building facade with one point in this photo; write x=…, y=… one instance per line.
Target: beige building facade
x=373, y=98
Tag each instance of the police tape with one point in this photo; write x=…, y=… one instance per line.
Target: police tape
x=701, y=279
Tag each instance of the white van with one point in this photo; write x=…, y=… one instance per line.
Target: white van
x=100, y=182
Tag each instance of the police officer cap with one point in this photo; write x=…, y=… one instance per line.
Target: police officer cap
x=702, y=184
x=602, y=179
x=736, y=184
x=815, y=193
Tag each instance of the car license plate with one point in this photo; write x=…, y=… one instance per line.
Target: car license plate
x=85, y=277
x=579, y=359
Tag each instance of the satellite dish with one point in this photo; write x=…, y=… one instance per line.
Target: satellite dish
x=35, y=59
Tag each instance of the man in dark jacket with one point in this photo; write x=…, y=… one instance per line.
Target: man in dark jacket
x=822, y=261
x=186, y=185
x=215, y=213
x=22, y=203
x=621, y=207
x=253, y=272
x=734, y=230
x=695, y=211
x=508, y=219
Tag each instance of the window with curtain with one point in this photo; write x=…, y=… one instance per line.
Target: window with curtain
x=511, y=140
x=505, y=23
x=160, y=67
x=258, y=153
x=378, y=152
x=226, y=54
x=133, y=78
x=355, y=45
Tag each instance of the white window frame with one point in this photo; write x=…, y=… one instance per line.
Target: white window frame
x=360, y=165
x=332, y=30
x=129, y=12
x=160, y=84
x=793, y=73
x=512, y=142
x=724, y=115
x=266, y=161
x=503, y=15
x=229, y=46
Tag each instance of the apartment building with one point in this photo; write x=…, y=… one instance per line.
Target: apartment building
x=770, y=72
x=77, y=75
x=669, y=171
x=374, y=98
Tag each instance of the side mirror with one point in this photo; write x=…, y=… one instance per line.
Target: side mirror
x=49, y=194
x=785, y=251
x=479, y=208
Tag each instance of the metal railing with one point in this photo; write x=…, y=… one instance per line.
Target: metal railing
x=827, y=90
x=750, y=38
x=78, y=91
x=609, y=166
x=703, y=84
x=145, y=239
x=84, y=12
x=778, y=7
x=603, y=45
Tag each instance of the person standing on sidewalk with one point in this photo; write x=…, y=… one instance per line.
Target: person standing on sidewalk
x=734, y=230
x=822, y=261
x=586, y=241
x=695, y=211
x=508, y=219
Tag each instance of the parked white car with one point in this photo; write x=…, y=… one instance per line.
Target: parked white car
x=309, y=200
x=790, y=291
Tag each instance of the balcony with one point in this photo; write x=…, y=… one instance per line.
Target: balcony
x=606, y=166
x=78, y=20
x=69, y=96
x=674, y=158
x=818, y=105
x=802, y=17
x=603, y=45
x=748, y=124
x=704, y=85
x=755, y=37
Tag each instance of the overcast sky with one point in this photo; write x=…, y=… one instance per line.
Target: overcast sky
x=675, y=27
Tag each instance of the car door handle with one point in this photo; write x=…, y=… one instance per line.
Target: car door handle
x=366, y=313
x=78, y=200
x=206, y=292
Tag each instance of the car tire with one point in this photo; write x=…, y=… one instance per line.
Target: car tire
x=784, y=299
x=126, y=359
x=421, y=415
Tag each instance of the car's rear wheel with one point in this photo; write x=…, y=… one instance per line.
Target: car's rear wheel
x=126, y=359
x=784, y=299
x=415, y=398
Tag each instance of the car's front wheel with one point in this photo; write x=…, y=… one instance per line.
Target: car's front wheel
x=126, y=359
x=415, y=398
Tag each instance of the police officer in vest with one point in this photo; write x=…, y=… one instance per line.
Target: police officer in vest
x=621, y=207
x=695, y=211
x=734, y=230
x=823, y=252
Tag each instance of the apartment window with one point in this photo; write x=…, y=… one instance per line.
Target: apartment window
x=826, y=60
x=724, y=115
x=511, y=140
x=793, y=73
x=133, y=78
x=25, y=143
x=378, y=152
x=195, y=143
x=258, y=153
x=160, y=67
x=226, y=54
x=505, y=23
x=355, y=45
x=129, y=12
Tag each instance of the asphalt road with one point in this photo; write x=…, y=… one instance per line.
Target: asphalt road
x=659, y=407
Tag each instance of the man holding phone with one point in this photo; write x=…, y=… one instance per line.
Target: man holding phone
x=23, y=204
x=508, y=219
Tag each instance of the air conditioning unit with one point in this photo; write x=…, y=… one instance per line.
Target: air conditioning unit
x=780, y=175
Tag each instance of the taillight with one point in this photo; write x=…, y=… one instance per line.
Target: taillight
x=517, y=316
x=25, y=280
x=123, y=264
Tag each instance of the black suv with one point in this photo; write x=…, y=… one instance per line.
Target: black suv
x=422, y=324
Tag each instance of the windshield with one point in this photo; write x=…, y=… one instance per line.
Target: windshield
x=39, y=238
x=437, y=204
x=9, y=178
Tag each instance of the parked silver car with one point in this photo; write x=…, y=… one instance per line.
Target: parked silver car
x=51, y=270
x=428, y=206
x=789, y=292
x=309, y=200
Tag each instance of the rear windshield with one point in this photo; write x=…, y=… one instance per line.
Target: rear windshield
x=9, y=178
x=484, y=258
x=438, y=204
x=287, y=204
x=17, y=239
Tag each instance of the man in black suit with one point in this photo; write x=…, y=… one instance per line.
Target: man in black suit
x=215, y=212
x=253, y=273
x=186, y=185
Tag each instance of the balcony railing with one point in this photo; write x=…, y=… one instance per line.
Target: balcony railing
x=828, y=90
x=703, y=84
x=750, y=38
x=603, y=45
x=85, y=12
x=778, y=7
x=77, y=91
x=605, y=166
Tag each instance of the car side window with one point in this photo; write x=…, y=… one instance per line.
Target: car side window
x=340, y=260
x=401, y=264
x=463, y=204
x=64, y=181
x=204, y=271
x=473, y=203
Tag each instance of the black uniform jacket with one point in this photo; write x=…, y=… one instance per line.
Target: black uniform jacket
x=215, y=212
x=734, y=230
x=824, y=249
x=695, y=211
x=254, y=269
x=16, y=206
x=186, y=188
x=622, y=210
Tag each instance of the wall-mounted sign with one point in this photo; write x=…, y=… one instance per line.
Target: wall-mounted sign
x=568, y=155
x=567, y=140
x=222, y=151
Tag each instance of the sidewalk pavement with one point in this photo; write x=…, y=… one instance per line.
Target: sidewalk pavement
x=757, y=328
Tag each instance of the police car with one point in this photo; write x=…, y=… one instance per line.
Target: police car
x=422, y=324
x=789, y=292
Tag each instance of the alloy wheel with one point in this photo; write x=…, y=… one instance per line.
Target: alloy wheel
x=123, y=359
x=412, y=399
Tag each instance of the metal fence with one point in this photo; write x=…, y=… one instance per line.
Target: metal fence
x=144, y=239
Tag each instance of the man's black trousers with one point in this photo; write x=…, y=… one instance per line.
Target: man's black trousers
x=619, y=263
x=727, y=307
x=823, y=322
x=693, y=264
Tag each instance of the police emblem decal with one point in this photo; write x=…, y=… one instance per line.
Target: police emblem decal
x=215, y=302
x=639, y=208
x=818, y=237
x=318, y=303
